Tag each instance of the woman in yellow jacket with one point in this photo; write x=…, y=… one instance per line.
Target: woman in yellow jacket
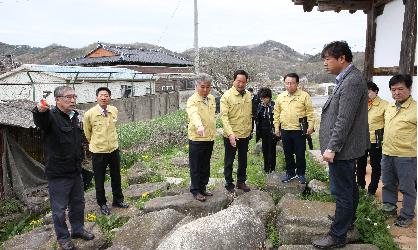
x=376, y=113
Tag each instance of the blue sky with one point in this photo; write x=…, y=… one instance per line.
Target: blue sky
x=169, y=23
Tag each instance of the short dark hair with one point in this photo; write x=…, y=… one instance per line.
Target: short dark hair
x=250, y=89
x=240, y=72
x=372, y=86
x=337, y=49
x=293, y=75
x=103, y=88
x=399, y=78
x=264, y=92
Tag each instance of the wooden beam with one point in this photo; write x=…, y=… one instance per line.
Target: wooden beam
x=370, y=44
x=390, y=71
x=331, y=5
x=409, y=39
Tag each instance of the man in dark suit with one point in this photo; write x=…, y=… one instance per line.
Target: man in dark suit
x=343, y=137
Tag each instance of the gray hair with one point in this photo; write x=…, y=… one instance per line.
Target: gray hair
x=202, y=77
x=59, y=91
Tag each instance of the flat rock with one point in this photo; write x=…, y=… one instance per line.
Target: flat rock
x=274, y=184
x=174, y=180
x=44, y=238
x=181, y=161
x=236, y=227
x=261, y=202
x=139, y=174
x=136, y=191
x=318, y=187
x=91, y=206
x=145, y=232
x=302, y=221
x=186, y=204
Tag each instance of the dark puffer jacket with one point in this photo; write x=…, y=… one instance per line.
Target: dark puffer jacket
x=62, y=142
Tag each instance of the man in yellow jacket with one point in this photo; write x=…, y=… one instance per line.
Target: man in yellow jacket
x=376, y=119
x=99, y=126
x=201, y=132
x=291, y=106
x=236, y=116
x=399, y=161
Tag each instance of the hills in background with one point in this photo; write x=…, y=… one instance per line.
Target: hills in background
x=268, y=60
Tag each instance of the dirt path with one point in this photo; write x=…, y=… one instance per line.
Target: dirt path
x=405, y=237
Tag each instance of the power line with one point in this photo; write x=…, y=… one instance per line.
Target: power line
x=169, y=22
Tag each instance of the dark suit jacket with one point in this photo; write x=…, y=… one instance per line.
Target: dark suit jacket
x=344, y=127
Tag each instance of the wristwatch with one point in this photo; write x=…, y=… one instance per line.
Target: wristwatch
x=329, y=150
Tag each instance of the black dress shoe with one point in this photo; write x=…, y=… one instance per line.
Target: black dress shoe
x=207, y=193
x=83, y=235
x=199, y=197
x=120, y=204
x=67, y=245
x=328, y=242
x=230, y=188
x=104, y=210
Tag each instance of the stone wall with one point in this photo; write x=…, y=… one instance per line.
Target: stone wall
x=142, y=107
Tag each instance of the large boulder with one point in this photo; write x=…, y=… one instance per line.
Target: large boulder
x=236, y=227
x=275, y=185
x=145, y=232
x=186, y=204
x=136, y=191
x=261, y=202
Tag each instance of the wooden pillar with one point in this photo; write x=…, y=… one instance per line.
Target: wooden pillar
x=409, y=38
x=370, y=43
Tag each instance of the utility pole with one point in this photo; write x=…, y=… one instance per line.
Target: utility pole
x=196, y=43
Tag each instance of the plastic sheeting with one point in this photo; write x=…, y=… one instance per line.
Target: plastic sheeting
x=23, y=177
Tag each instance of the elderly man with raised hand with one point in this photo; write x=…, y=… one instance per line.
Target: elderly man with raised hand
x=343, y=137
x=201, y=132
x=64, y=153
x=399, y=161
x=236, y=116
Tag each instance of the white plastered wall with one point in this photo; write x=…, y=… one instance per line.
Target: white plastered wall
x=389, y=27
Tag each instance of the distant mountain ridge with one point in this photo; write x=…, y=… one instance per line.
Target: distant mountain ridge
x=273, y=58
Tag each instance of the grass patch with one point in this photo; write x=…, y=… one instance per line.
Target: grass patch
x=371, y=223
x=10, y=206
x=272, y=233
x=20, y=226
x=315, y=170
x=108, y=223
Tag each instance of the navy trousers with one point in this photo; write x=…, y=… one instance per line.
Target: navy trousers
x=67, y=193
x=345, y=190
x=294, y=143
x=100, y=162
